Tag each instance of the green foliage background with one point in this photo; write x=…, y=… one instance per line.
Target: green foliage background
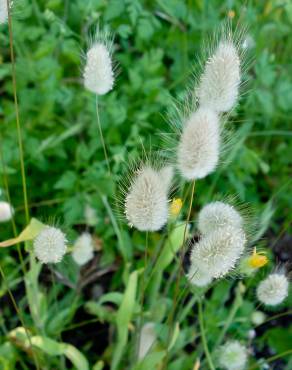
x=156, y=46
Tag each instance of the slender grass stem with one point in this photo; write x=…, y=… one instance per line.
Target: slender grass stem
x=101, y=137
x=19, y=314
x=235, y=306
x=272, y=358
x=203, y=336
x=59, y=334
x=14, y=229
x=19, y=135
x=21, y=155
x=180, y=273
x=142, y=292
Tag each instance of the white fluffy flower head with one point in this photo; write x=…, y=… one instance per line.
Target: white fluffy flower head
x=219, y=83
x=83, y=249
x=233, y=356
x=146, y=204
x=3, y=11
x=98, y=71
x=6, y=211
x=198, y=149
x=273, y=290
x=218, y=252
x=216, y=215
x=50, y=245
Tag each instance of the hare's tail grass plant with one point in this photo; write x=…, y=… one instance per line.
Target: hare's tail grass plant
x=99, y=74
x=22, y=166
x=199, y=145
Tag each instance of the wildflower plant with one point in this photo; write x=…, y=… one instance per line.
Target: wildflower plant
x=177, y=308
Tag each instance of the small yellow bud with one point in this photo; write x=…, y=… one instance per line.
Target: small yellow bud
x=231, y=14
x=175, y=206
x=257, y=260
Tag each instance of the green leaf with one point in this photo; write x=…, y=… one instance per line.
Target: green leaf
x=150, y=361
x=123, y=318
x=29, y=233
x=50, y=347
x=171, y=246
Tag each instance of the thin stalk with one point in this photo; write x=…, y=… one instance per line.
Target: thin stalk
x=184, y=313
x=59, y=334
x=17, y=310
x=203, y=336
x=19, y=136
x=272, y=358
x=142, y=292
x=235, y=306
x=180, y=273
x=101, y=137
x=14, y=229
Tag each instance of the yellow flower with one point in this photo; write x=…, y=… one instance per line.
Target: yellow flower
x=231, y=14
x=175, y=206
x=257, y=259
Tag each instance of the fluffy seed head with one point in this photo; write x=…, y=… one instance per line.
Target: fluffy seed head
x=148, y=337
x=83, y=249
x=233, y=356
x=216, y=215
x=198, y=149
x=146, y=204
x=6, y=211
x=3, y=11
x=219, y=83
x=98, y=72
x=217, y=252
x=50, y=245
x=273, y=290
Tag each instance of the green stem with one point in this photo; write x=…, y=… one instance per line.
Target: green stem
x=178, y=279
x=235, y=306
x=203, y=336
x=5, y=181
x=19, y=136
x=272, y=358
x=102, y=138
x=142, y=293
x=19, y=314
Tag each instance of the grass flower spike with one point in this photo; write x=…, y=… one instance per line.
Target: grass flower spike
x=83, y=249
x=50, y=245
x=233, y=356
x=273, y=290
x=6, y=211
x=219, y=84
x=218, y=252
x=3, y=11
x=98, y=72
x=146, y=204
x=198, y=150
x=217, y=215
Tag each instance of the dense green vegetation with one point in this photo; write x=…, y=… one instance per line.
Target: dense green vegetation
x=156, y=46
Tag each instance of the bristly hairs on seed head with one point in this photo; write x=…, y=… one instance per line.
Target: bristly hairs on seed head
x=226, y=33
x=104, y=37
x=132, y=165
x=246, y=210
